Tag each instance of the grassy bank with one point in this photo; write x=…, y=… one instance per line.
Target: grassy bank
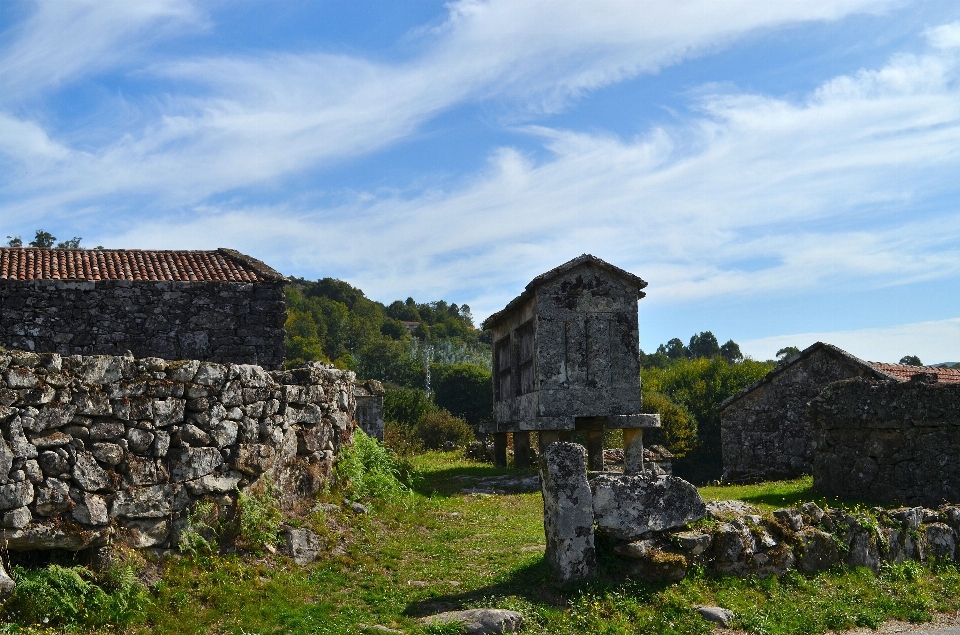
x=438, y=549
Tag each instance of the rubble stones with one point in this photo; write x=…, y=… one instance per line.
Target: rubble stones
x=626, y=507
x=568, y=514
x=99, y=446
x=816, y=550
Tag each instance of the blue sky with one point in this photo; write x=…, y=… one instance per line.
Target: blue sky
x=779, y=172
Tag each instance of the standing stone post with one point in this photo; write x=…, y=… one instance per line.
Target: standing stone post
x=500, y=449
x=567, y=512
x=632, y=451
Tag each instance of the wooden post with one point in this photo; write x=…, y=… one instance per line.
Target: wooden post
x=500, y=449
x=632, y=451
x=595, y=450
x=521, y=449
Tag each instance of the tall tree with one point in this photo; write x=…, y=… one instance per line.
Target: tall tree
x=704, y=345
x=731, y=352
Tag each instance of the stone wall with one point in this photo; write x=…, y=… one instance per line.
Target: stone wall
x=766, y=433
x=369, y=414
x=895, y=442
x=225, y=322
x=101, y=446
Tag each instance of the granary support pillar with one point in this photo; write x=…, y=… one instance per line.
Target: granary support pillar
x=500, y=449
x=547, y=437
x=595, y=450
x=632, y=451
x=521, y=449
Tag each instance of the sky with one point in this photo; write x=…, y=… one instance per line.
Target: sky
x=778, y=172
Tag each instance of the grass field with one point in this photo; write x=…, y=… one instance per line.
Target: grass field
x=440, y=550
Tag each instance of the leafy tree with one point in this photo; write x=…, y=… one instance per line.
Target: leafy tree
x=73, y=243
x=678, y=428
x=701, y=385
x=406, y=406
x=14, y=241
x=658, y=359
x=43, y=240
x=674, y=349
x=911, y=360
x=704, y=345
x=466, y=390
x=786, y=353
x=731, y=352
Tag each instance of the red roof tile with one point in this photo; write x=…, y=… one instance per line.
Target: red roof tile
x=222, y=265
x=904, y=372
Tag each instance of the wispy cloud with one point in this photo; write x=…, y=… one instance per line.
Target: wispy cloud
x=933, y=342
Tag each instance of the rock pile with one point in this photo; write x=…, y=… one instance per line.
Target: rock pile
x=101, y=446
x=661, y=528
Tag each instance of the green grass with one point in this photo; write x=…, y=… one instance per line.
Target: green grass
x=468, y=551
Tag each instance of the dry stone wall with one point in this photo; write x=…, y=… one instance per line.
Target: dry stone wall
x=895, y=442
x=216, y=321
x=102, y=446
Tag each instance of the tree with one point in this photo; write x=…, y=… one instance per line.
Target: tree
x=14, y=241
x=43, y=240
x=675, y=349
x=466, y=390
x=731, y=352
x=73, y=243
x=911, y=360
x=787, y=353
x=678, y=428
x=704, y=345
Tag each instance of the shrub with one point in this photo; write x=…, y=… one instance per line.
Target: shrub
x=68, y=596
x=406, y=406
x=441, y=427
x=368, y=470
x=259, y=518
x=466, y=390
x=199, y=535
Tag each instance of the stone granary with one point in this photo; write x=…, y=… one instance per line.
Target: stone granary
x=566, y=358
x=766, y=432
x=219, y=306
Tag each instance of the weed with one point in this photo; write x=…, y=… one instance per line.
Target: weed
x=68, y=596
x=368, y=470
x=259, y=518
x=199, y=535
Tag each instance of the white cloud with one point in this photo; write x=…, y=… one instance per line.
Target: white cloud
x=933, y=342
x=854, y=186
x=237, y=122
x=946, y=36
x=61, y=41
x=26, y=141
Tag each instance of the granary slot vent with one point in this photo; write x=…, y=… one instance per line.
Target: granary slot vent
x=526, y=350
x=503, y=366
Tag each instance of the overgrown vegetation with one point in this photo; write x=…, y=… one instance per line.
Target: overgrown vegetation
x=367, y=470
x=259, y=518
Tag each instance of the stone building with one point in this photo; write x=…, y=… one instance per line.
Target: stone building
x=565, y=358
x=219, y=306
x=766, y=432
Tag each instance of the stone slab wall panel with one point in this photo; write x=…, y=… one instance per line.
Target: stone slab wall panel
x=216, y=321
x=100, y=446
x=895, y=442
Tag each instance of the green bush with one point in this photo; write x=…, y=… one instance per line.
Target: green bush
x=440, y=427
x=368, y=470
x=406, y=406
x=199, y=535
x=466, y=390
x=69, y=596
x=259, y=519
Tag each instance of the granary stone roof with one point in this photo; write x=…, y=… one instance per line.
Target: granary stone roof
x=880, y=370
x=556, y=271
x=222, y=265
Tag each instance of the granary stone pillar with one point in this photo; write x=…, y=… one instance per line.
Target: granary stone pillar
x=632, y=450
x=500, y=449
x=521, y=449
x=547, y=437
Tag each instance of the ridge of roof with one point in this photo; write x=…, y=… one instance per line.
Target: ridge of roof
x=836, y=350
x=556, y=271
x=222, y=265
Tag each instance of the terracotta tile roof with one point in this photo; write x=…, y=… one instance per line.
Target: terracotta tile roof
x=904, y=372
x=222, y=265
